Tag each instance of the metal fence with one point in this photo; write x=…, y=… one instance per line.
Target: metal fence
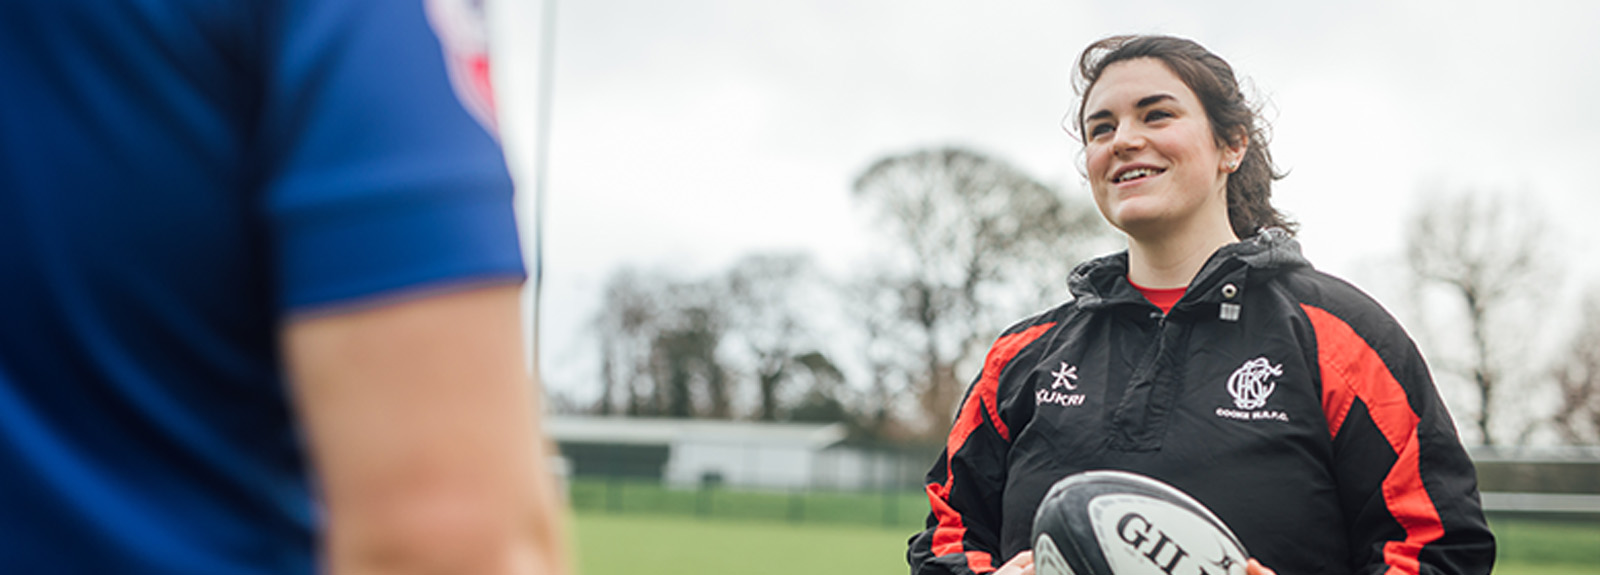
x=884, y=487
x=894, y=507
x=1560, y=483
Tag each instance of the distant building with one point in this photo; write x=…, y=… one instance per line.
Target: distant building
x=688, y=452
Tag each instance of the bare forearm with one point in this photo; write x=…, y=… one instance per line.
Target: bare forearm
x=424, y=431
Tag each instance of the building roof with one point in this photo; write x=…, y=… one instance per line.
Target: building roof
x=661, y=431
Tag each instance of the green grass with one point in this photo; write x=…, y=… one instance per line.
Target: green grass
x=1503, y=568
x=1529, y=547
x=627, y=527
x=666, y=544
x=663, y=545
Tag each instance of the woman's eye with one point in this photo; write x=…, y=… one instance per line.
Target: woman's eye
x=1154, y=115
x=1100, y=129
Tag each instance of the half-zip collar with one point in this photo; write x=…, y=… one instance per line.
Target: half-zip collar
x=1103, y=282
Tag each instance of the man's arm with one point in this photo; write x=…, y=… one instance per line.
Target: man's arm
x=423, y=429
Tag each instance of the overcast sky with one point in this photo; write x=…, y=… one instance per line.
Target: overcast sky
x=686, y=133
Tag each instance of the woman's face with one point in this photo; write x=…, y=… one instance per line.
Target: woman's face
x=1152, y=162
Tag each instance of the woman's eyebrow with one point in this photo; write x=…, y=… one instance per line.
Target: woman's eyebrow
x=1144, y=102
x=1153, y=99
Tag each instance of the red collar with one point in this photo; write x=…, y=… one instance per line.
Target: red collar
x=1163, y=298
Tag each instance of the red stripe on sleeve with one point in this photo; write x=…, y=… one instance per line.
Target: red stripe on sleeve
x=1352, y=371
x=980, y=561
x=946, y=537
x=989, y=381
x=1336, y=398
x=980, y=403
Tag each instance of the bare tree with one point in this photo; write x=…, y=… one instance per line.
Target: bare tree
x=1577, y=377
x=1483, y=251
x=826, y=398
x=626, y=326
x=970, y=231
x=659, y=348
x=690, y=380
x=889, y=362
x=763, y=297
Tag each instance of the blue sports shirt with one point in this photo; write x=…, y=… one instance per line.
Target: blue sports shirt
x=177, y=178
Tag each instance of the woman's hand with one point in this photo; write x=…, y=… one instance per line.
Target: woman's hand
x=1252, y=568
x=1022, y=564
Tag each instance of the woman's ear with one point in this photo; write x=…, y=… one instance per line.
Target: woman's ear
x=1233, y=153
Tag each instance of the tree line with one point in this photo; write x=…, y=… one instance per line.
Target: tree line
x=970, y=243
x=1487, y=273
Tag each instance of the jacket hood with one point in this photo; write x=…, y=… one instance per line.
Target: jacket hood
x=1103, y=281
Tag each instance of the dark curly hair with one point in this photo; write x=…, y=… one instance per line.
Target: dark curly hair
x=1230, y=114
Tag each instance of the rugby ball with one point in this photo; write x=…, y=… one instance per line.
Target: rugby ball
x=1119, y=523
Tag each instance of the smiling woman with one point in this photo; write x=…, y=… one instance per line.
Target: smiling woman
x=1282, y=398
x=1156, y=173
x=1233, y=121
x=1173, y=93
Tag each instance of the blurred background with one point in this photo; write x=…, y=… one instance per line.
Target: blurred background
x=768, y=275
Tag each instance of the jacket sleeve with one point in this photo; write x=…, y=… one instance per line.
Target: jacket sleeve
x=965, y=485
x=1406, y=486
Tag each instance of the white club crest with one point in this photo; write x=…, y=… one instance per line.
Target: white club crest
x=1249, y=385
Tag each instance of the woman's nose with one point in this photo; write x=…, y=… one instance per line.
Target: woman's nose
x=1127, y=138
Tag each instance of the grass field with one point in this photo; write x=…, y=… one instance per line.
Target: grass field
x=1503, y=568
x=628, y=544
x=666, y=545
x=1546, y=547
x=625, y=527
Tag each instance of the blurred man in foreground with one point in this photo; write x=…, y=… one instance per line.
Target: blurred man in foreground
x=258, y=294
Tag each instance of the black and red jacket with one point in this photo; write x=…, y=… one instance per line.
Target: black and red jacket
x=1286, y=400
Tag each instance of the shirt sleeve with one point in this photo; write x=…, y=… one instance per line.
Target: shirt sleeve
x=966, y=484
x=1407, y=489
x=375, y=177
